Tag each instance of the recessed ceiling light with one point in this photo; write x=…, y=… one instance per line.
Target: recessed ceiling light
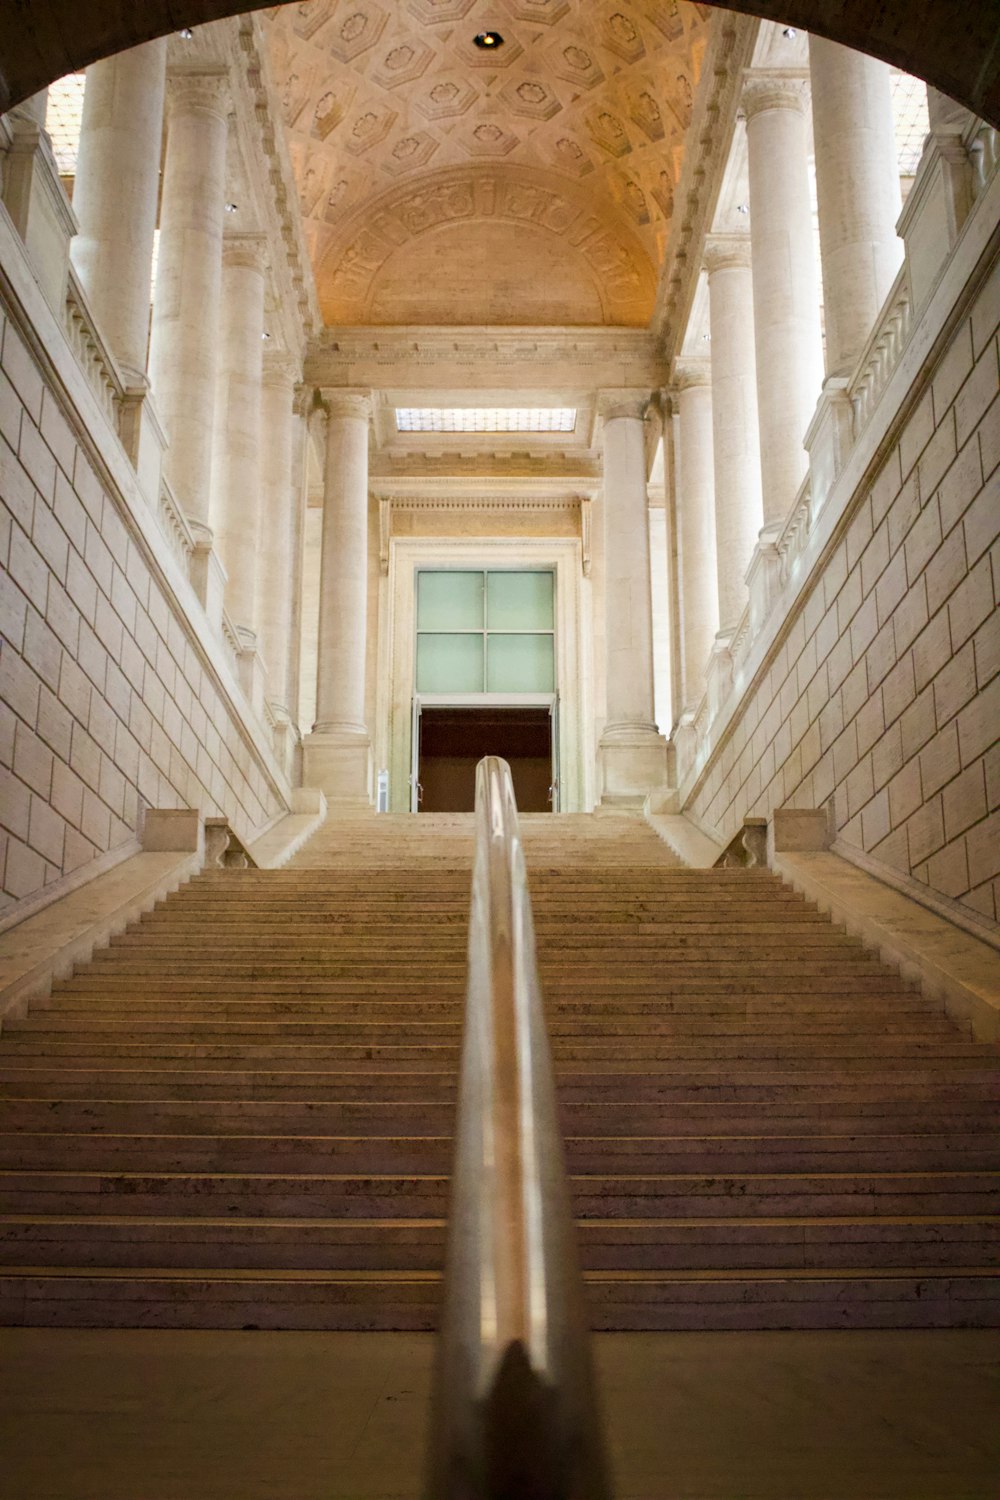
x=487, y=40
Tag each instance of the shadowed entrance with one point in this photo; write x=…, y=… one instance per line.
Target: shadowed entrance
x=454, y=740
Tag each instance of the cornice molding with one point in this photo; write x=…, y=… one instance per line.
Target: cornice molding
x=729, y=54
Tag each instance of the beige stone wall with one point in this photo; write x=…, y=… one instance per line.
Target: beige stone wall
x=884, y=693
x=107, y=702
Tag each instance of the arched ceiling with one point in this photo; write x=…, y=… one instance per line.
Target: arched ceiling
x=538, y=178
x=955, y=46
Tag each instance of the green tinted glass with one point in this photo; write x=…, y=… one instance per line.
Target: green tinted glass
x=520, y=664
x=449, y=663
x=449, y=601
x=519, y=601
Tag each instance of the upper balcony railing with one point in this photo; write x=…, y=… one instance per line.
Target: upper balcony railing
x=514, y=1411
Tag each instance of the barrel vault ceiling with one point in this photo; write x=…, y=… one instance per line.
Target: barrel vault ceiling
x=441, y=184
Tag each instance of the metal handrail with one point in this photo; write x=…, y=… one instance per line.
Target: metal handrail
x=513, y=1412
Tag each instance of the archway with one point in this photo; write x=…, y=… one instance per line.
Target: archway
x=42, y=39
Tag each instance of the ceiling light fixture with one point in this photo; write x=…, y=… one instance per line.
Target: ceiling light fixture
x=265, y=334
x=232, y=208
x=488, y=41
x=742, y=208
x=789, y=33
x=186, y=33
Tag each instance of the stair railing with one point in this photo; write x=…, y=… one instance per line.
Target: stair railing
x=514, y=1412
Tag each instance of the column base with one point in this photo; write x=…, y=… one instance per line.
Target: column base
x=339, y=762
x=633, y=760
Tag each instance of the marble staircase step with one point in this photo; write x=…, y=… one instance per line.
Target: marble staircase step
x=408, y=1300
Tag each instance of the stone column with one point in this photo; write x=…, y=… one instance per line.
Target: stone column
x=735, y=426
x=115, y=196
x=633, y=755
x=275, y=564
x=301, y=411
x=236, y=476
x=857, y=188
x=338, y=753
x=789, y=346
x=699, y=589
x=185, y=335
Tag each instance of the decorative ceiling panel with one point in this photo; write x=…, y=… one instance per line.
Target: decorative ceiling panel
x=389, y=102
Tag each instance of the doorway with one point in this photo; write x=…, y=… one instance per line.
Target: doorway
x=451, y=741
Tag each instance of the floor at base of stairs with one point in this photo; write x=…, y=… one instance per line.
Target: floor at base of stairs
x=136, y=1415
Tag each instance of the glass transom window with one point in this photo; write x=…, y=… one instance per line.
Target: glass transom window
x=485, y=418
x=485, y=631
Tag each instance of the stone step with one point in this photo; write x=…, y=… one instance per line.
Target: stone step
x=881, y=1150
x=110, y=1242
x=664, y=1056
x=445, y=1021
x=386, y=1084
x=376, y=1118
x=923, y=1297
x=679, y=1195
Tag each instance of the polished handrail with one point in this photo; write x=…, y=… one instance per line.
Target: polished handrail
x=513, y=1410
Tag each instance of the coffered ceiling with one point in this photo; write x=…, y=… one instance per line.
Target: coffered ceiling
x=442, y=184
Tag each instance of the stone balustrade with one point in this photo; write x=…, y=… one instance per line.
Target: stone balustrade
x=95, y=358
x=882, y=352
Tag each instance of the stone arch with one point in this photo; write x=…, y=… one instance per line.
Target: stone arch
x=956, y=49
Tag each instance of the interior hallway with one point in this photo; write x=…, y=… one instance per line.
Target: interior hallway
x=94, y=1415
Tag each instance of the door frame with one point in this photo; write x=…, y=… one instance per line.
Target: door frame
x=483, y=700
x=573, y=652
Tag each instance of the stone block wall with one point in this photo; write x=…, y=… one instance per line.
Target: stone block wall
x=884, y=693
x=106, y=700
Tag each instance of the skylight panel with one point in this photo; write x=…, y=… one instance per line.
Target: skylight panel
x=485, y=418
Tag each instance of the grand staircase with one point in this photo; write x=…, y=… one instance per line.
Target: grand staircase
x=239, y=1114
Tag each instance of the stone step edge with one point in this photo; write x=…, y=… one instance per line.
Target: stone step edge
x=395, y=1277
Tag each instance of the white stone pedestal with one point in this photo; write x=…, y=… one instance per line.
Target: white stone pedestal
x=208, y=576
x=633, y=760
x=340, y=762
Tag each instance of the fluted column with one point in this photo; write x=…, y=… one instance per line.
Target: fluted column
x=338, y=754
x=185, y=331
x=699, y=590
x=788, y=338
x=236, y=476
x=735, y=423
x=275, y=577
x=115, y=195
x=857, y=188
x=633, y=754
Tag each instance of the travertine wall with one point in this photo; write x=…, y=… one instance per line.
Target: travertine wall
x=885, y=693
x=106, y=700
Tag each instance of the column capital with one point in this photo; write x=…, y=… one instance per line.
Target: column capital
x=691, y=373
x=304, y=400
x=280, y=370
x=199, y=90
x=342, y=403
x=623, y=403
x=245, y=249
x=724, y=252
x=764, y=91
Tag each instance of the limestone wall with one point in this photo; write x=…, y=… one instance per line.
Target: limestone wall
x=883, y=691
x=112, y=695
